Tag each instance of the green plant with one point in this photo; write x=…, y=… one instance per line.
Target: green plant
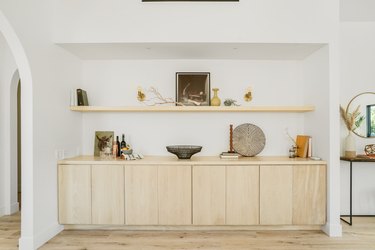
x=352, y=120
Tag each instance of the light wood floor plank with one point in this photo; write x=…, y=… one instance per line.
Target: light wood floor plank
x=361, y=236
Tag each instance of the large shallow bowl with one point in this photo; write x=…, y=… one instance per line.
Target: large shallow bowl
x=184, y=151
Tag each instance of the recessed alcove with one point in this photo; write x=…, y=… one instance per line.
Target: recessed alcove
x=290, y=83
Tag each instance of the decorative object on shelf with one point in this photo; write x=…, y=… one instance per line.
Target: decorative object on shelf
x=231, y=150
x=303, y=143
x=141, y=96
x=293, y=152
x=370, y=150
x=350, y=145
x=215, y=101
x=230, y=102
x=228, y=155
x=158, y=98
x=115, y=147
x=103, y=143
x=184, y=151
x=352, y=121
x=248, y=139
x=82, y=99
x=293, y=147
x=248, y=95
x=131, y=157
x=193, y=88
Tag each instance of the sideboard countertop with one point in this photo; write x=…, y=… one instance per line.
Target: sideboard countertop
x=195, y=160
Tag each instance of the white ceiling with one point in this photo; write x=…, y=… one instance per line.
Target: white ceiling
x=244, y=51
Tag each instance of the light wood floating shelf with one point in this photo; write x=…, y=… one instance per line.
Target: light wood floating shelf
x=291, y=109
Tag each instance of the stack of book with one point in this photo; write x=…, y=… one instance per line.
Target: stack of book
x=226, y=155
x=82, y=99
x=304, y=146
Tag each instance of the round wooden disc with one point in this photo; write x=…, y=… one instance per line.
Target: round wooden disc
x=248, y=139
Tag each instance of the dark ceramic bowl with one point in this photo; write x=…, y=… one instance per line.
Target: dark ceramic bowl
x=184, y=151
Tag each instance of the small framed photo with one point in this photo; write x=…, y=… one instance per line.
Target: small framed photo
x=193, y=88
x=103, y=142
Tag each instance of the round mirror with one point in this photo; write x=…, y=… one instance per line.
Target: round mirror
x=363, y=105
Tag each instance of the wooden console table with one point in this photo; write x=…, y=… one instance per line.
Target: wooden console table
x=351, y=160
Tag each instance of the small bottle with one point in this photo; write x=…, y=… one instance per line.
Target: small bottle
x=123, y=143
x=118, y=147
x=114, y=148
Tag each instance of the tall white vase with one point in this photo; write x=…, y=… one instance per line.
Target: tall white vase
x=350, y=147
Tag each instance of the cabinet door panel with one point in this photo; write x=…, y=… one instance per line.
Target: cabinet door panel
x=74, y=194
x=141, y=197
x=242, y=195
x=108, y=194
x=208, y=195
x=276, y=195
x=309, y=194
x=174, y=195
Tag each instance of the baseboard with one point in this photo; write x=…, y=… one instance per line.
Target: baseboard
x=31, y=243
x=9, y=210
x=26, y=243
x=194, y=228
x=332, y=230
x=14, y=208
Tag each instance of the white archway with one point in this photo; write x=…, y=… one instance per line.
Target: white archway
x=27, y=223
x=10, y=152
x=13, y=144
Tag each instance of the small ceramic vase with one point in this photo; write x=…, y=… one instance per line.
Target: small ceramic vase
x=350, y=147
x=215, y=101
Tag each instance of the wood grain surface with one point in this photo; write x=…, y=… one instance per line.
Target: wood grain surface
x=360, y=236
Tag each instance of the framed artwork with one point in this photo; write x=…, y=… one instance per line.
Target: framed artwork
x=193, y=88
x=103, y=141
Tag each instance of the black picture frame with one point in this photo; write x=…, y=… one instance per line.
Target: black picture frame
x=370, y=109
x=193, y=88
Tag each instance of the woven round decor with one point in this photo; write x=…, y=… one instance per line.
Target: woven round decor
x=248, y=139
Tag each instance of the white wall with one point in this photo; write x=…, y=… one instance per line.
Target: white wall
x=357, y=75
x=322, y=125
x=357, y=10
x=54, y=73
x=247, y=20
x=8, y=175
x=114, y=83
x=2, y=173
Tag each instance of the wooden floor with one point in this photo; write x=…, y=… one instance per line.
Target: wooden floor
x=360, y=236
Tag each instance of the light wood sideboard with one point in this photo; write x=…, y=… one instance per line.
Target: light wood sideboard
x=161, y=191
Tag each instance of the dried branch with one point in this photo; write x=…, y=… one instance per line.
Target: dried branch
x=158, y=98
x=352, y=120
x=291, y=138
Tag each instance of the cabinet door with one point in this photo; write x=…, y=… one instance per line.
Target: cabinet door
x=74, y=194
x=174, y=195
x=107, y=194
x=242, y=195
x=276, y=195
x=141, y=197
x=309, y=194
x=208, y=195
